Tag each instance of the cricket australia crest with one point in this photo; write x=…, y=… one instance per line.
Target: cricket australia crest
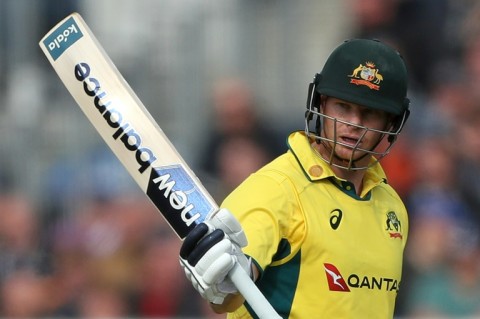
x=393, y=225
x=366, y=75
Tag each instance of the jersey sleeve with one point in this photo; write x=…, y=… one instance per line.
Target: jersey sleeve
x=267, y=207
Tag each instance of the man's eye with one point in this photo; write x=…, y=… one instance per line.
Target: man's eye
x=343, y=106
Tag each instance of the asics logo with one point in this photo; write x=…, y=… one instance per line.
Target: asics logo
x=335, y=218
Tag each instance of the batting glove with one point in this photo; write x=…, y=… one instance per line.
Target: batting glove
x=210, y=251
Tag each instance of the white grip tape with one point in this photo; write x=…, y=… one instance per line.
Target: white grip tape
x=263, y=309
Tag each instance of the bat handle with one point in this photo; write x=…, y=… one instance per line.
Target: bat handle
x=263, y=309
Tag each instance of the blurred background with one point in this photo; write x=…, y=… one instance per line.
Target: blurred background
x=227, y=81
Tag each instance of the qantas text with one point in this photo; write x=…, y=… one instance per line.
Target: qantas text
x=387, y=284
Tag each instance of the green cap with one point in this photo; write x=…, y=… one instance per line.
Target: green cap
x=368, y=73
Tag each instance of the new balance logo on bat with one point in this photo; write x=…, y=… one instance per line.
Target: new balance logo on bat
x=62, y=38
x=114, y=118
x=174, y=192
x=170, y=188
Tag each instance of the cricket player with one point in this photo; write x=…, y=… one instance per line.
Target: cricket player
x=326, y=232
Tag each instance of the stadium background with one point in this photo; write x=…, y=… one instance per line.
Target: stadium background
x=77, y=239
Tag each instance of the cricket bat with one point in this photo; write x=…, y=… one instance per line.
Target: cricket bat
x=135, y=138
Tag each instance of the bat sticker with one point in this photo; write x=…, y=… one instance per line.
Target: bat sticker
x=174, y=192
x=62, y=38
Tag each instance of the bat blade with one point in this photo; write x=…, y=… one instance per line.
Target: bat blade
x=130, y=131
x=126, y=125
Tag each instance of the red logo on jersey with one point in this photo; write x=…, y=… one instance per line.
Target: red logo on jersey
x=335, y=279
x=396, y=235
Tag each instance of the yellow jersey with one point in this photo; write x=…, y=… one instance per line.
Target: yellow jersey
x=322, y=250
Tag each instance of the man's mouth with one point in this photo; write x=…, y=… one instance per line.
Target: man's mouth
x=348, y=140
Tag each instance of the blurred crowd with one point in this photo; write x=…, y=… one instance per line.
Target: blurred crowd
x=435, y=165
x=113, y=256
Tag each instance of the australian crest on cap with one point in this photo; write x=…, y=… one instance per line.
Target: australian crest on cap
x=366, y=75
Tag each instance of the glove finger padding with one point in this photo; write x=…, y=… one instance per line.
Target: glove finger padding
x=205, y=245
x=216, y=263
x=206, y=291
x=210, y=251
x=191, y=241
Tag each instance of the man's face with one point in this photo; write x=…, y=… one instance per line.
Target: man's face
x=351, y=128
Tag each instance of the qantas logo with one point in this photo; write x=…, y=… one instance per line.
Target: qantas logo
x=336, y=281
